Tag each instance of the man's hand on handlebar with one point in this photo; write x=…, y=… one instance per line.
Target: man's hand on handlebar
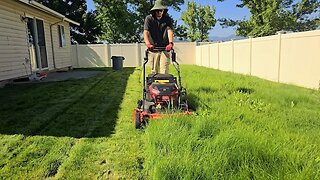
x=169, y=47
x=150, y=47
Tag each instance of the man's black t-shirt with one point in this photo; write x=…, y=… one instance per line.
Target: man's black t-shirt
x=159, y=29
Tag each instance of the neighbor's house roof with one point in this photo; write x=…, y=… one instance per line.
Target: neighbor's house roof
x=45, y=9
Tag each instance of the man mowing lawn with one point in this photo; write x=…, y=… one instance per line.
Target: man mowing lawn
x=158, y=32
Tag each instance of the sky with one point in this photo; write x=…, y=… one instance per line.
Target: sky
x=226, y=9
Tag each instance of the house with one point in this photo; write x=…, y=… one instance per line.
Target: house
x=33, y=38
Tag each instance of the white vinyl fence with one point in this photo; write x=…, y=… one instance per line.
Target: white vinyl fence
x=100, y=55
x=286, y=58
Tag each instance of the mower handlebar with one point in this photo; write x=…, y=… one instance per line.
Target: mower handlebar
x=160, y=49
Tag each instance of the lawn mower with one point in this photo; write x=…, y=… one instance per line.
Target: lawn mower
x=163, y=94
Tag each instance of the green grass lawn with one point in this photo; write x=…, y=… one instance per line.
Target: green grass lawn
x=243, y=128
x=77, y=129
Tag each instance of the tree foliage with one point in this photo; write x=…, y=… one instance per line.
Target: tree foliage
x=89, y=28
x=198, y=20
x=118, y=23
x=122, y=20
x=180, y=31
x=270, y=16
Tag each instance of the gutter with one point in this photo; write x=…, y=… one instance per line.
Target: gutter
x=48, y=10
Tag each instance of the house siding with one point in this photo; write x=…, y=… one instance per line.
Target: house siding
x=62, y=54
x=13, y=45
x=13, y=40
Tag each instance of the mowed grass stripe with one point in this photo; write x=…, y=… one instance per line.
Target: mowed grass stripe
x=35, y=105
x=95, y=110
x=117, y=156
x=87, y=157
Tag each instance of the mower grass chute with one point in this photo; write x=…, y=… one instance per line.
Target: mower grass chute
x=163, y=94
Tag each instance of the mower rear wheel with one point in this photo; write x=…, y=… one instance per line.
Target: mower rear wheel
x=137, y=120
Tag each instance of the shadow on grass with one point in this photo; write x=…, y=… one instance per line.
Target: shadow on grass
x=194, y=100
x=74, y=108
x=195, y=103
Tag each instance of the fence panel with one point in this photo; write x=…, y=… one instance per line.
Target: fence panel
x=242, y=56
x=91, y=56
x=226, y=56
x=214, y=56
x=73, y=55
x=300, y=59
x=265, y=57
x=186, y=52
x=128, y=51
x=205, y=55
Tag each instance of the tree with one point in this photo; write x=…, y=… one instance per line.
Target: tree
x=89, y=29
x=180, y=31
x=270, y=16
x=122, y=20
x=118, y=23
x=198, y=20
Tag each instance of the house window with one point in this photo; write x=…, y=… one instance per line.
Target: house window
x=62, y=36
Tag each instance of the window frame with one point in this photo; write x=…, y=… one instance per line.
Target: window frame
x=62, y=36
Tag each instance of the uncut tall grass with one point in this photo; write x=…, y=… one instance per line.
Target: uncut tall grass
x=243, y=128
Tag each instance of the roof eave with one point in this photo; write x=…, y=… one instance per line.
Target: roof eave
x=48, y=10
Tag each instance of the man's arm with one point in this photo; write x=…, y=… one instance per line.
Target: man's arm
x=170, y=38
x=170, y=29
x=170, y=35
x=146, y=37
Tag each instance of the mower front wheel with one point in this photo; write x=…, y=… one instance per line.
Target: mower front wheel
x=137, y=120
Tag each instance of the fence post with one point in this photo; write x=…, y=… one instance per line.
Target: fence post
x=105, y=51
x=232, y=55
x=279, y=57
x=77, y=56
x=219, y=55
x=196, y=54
x=108, y=50
x=250, y=37
x=138, y=55
x=209, y=56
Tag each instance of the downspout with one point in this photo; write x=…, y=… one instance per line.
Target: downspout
x=23, y=18
x=52, y=45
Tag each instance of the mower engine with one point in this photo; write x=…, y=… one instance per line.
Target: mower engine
x=163, y=93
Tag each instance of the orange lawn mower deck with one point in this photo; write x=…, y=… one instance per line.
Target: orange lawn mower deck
x=163, y=95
